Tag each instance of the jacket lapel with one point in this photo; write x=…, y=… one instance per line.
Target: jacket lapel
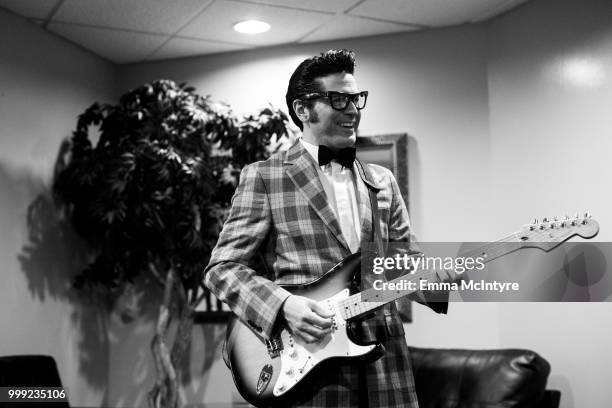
x=365, y=183
x=301, y=169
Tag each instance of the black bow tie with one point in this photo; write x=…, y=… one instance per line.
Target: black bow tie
x=345, y=156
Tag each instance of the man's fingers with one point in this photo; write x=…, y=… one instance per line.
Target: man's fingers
x=306, y=318
x=311, y=334
x=316, y=320
x=318, y=332
x=318, y=316
x=321, y=316
x=320, y=310
x=305, y=337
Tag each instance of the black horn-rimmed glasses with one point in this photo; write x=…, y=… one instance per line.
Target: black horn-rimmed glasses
x=340, y=100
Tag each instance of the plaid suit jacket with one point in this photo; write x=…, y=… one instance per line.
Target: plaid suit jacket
x=281, y=230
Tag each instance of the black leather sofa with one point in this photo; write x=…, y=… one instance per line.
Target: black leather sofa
x=445, y=378
x=508, y=378
x=30, y=371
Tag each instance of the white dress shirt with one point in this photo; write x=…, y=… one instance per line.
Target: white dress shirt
x=339, y=185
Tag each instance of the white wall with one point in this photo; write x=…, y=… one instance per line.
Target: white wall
x=44, y=84
x=550, y=92
x=550, y=81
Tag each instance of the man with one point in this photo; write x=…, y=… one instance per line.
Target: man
x=299, y=214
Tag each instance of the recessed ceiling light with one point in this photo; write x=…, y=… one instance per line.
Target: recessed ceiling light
x=251, y=27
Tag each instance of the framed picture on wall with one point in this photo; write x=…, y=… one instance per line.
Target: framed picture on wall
x=390, y=151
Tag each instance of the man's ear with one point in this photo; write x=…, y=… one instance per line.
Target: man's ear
x=300, y=109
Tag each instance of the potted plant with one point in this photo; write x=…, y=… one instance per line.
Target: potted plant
x=150, y=196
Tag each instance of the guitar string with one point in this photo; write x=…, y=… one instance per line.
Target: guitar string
x=353, y=302
x=351, y=305
x=358, y=307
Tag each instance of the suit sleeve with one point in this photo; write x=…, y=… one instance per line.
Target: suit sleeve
x=400, y=231
x=230, y=274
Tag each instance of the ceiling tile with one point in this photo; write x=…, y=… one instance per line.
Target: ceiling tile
x=137, y=22
x=336, y=6
x=426, y=12
x=154, y=16
x=347, y=27
x=30, y=8
x=114, y=45
x=217, y=21
x=185, y=47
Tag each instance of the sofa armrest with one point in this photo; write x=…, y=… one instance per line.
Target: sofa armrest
x=31, y=371
x=476, y=378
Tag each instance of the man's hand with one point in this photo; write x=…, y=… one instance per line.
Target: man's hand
x=306, y=318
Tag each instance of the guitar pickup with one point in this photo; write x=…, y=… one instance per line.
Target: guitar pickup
x=274, y=346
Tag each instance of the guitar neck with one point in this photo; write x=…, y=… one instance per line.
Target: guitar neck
x=354, y=306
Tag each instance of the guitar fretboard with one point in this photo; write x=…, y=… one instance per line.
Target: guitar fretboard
x=364, y=302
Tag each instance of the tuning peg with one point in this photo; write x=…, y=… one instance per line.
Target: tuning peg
x=586, y=217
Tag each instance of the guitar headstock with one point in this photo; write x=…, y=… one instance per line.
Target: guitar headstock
x=552, y=232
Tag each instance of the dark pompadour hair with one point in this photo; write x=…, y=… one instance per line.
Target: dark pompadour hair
x=304, y=78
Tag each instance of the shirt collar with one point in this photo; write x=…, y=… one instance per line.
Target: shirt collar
x=313, y=150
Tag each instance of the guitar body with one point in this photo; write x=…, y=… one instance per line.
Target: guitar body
x=268, y=378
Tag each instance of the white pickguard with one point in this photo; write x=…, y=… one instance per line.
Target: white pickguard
x=298, y=358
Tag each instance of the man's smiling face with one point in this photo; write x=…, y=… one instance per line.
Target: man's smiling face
x=330, y=127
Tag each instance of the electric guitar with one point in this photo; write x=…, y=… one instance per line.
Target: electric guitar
x=276, y=372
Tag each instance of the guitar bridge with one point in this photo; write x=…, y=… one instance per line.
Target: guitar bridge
x=274, y=346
